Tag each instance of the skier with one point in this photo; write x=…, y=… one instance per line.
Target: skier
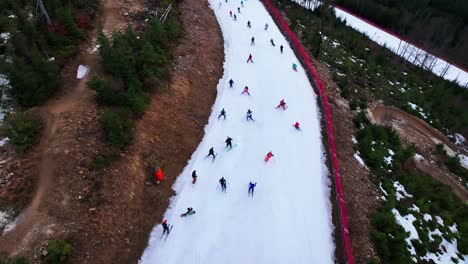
x=194, y=175
x=228, y=142
x=248, y=24
x=296, y=126
x=251, y=188
x=252, y=41
x=238, y=9
x=282, y=104
x=222, y=181
x=223, y=113
x=231, y=82
x=249, y=115
x=268, y=156
x=190, y=211
x=250, y=59
x=266, y=26
x=272, y=42
x=246, y=90
x=242, y=3
x=281, y=49
x=235, y=17
x=294, y=66
x=211, y=153
x=230, y=13
x=165, y=226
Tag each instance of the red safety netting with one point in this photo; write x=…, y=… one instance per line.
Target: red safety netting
x=323, y=96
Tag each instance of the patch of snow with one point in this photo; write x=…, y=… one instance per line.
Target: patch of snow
x=407, y=223
x=414, y=208
x=446, y=253
x=11, y=16
x=383, y=190
x=5, y=36
x=353, y=139
x=434, y=232
x=82, y=71
x=359, y=159
x=418, y=157
x=463, y=160
x=340, y=74
x=459, y=139
x=400, y=191
x=391, y=83
x=335, y=44
x=439, y=220
x=388, y=160
x=453, y=228
x=391, y=152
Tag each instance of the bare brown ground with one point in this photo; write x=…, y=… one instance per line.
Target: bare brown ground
x=415, y=131
x=107, y=216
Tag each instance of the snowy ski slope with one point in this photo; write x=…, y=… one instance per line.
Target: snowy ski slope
x=289, y=218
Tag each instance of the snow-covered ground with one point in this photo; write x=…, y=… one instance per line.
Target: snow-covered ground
x=398, y=46
x=403, y=49
x=289, y=218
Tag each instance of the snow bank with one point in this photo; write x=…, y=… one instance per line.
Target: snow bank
x=400, y=191
x=82, y=71
x=289, y=218
x=403, y=49
x=359, y=159
x=407, y=223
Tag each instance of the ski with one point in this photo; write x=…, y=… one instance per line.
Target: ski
x=167, y=234
x=228, y=149
x=298, y=129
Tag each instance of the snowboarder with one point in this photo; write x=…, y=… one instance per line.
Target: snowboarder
x=248, y=24
x=282, y=104
x=223, y=113
x=246, y=91
x=190, y=211
x=268, y=156
x=266, y=26
x=230, y=13
x=235, y=17
x=297, y=127
x=238, y=9
x=294, y=66
x=222, y=181
x=252, y=41
x=252, y=188
x=249, y=115
x=250, y=59
x=231, y=82
x=281, y=49
x=165, y=226
x=228, y=142
x=272, y=42
x=194, y=175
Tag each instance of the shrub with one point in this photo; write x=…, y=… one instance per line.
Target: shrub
x=34, y=81
x=118, y=130
x=57, y=251
x=360, y=119
x=105, y=94
x=22, y=129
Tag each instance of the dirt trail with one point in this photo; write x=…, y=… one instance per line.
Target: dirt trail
x=54, y=113
x=415, y=131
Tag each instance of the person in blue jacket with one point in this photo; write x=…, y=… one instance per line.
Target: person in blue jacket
x=251, y=188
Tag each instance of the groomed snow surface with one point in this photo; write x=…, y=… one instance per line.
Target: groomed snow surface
x=289, y=218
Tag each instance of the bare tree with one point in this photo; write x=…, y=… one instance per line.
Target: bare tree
x=44, y=12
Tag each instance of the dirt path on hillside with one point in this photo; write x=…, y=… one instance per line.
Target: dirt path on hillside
x=74, y=92
x=117, y=230
x=415, y=131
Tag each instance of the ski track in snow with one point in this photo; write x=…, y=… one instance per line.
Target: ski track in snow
x=289, y=218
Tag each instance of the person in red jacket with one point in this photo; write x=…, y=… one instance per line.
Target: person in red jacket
x=282, y=104
x=246, y=91
x=230, y=13
x=297, y=127
x=250, y=59
x=268, y=156
x=158, y=174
